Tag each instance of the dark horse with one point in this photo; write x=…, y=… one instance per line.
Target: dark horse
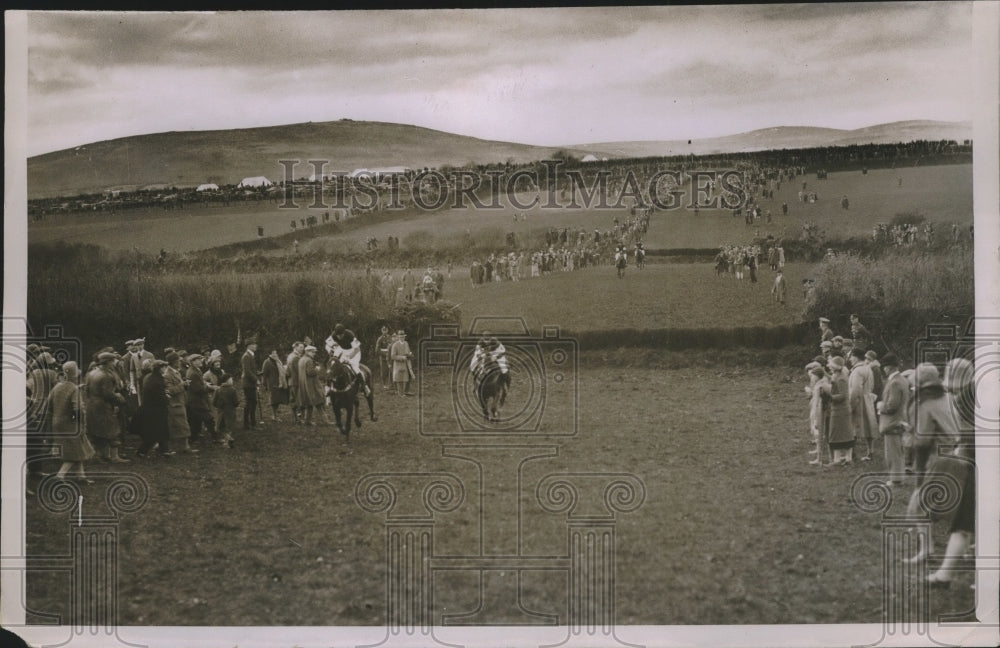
x=640, y=259
x=344, y=387
x=620, y=263
x=492, y=392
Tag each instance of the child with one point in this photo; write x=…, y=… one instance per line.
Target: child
x=225, y=402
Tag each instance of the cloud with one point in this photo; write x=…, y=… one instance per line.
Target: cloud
x=539, y=75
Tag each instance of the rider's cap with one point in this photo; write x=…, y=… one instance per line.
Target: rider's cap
x=339, y=328
x=310, y=348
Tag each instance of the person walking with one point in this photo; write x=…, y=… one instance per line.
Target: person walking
x=65, y=411
x=382, y=351
x=893, y=423
x=310, y=385
x=153, y=411
x=402, y=372
x=102, y=404
x=779, y=289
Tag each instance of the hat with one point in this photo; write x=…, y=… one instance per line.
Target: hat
x=401, y=332
x=871, y=355
x=147, y=364
x=139, y=341
x=838, y=339
x=820, y=360
x=339, y=328
x=106, y=349
x=172, y=357
x=129, y=343
x=890, y=360
x=106, y=357
x=927, y=375
x=33, y=348
x=824, y=320
x=908, y=375
x=836, y=362
x=958, y=373
x=826, y=344
x=195, y=356
x=251, y=340
x=310, y=348
x=168, y=350
x=813, y=365
x=215, y=355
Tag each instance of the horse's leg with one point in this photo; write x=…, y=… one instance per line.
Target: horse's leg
x=336, y=414
x=370, y=397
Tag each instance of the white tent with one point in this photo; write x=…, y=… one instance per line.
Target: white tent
x=256, y=181
x=589, y=157
x=209, y=186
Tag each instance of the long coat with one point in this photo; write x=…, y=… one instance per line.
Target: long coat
x=292, y=375
x=862, y=401
x=153, y=411
x=199, y=398
x=101, y=403
x=66, y=416
x=310, y=383
x=841, y=432
x=177, y=422
x=399, y=354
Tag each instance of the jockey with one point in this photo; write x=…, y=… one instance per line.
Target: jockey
x=346, y=347
x=498, y=354
x=479, y=357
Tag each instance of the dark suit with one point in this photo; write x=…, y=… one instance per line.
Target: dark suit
x=248, y=366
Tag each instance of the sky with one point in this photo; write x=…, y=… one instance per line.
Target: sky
x=549, y=77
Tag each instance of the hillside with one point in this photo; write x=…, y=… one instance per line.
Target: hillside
x=787, y=137
x=190, y=158
x=226, y=156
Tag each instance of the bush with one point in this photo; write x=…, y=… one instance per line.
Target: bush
x=898, y=294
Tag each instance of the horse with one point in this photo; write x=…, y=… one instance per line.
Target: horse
x=620, y=263
x=492, y=392
x=344, y=386
x=640, y=258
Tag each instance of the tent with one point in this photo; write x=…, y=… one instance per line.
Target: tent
x=210, y=186
x=589, y=157
x=256, y=181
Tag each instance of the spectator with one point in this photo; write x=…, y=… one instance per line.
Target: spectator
x=402, y=372
x=292, y=379
x=225, y=401
x=862, y=400
x=199, y=399
x=839, y=426
x=275, y=383
x=102, y=405
x=382, y=351
x=818, y=382
x=310, y=385
x=248, y=381
x=64, y=409
x=177, y=423
x=778, y=290
x=153, y=411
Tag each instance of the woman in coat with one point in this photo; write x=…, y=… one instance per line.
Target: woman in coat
x=177, y=422
x=400, y=355
x=311, y=384
x=818, y=382
x=153, y=411
x=840, y=429
x=102, y=405
x=66, y=415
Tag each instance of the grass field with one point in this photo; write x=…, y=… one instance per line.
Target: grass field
x=942, y=193
x=736, y=528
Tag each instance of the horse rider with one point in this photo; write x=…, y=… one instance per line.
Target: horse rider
x=490, y=351
x=346, y=347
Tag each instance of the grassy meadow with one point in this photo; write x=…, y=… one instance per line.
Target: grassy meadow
x=943, y=194
x=736, y=527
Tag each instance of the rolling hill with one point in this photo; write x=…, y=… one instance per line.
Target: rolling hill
x=190, y=158
x=786, y=137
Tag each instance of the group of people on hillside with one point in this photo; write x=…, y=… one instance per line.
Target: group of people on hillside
x=926, y=422
x=741, y=262
x=413, y=287
x=176, y=402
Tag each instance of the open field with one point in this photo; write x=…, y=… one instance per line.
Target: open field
x=735, y=528
x=942, y=193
